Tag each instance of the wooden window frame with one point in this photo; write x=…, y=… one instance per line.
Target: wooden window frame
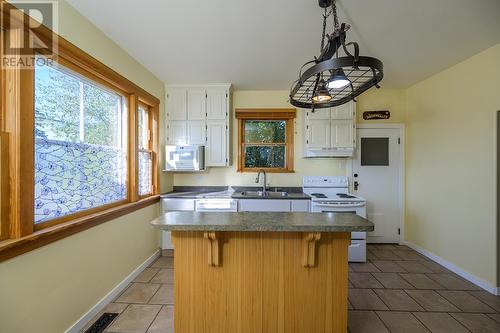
x=287, y=115
x=18, y=232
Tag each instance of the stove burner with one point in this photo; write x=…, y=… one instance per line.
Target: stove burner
x=319, y=195
x=345, y=196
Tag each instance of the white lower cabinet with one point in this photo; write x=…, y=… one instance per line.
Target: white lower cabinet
x=172, y=205
x=273, y=205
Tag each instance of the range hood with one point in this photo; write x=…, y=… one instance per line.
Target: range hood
x=328, y=152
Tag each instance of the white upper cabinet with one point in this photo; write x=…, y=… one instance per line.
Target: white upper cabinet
x=318, y=133
x=319, y=114
x=199, y=115
x=196, y=102
x=330, y=132
x=177, y=104
x=344, y=111
x=216, y=104
x=177, y=133
x=342, y=133
x=215, y=154
x=196, y=132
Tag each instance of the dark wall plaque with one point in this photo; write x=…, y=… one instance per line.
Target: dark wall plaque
x=372, y=115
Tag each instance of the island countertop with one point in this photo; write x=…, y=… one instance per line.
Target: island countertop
x=259, y=221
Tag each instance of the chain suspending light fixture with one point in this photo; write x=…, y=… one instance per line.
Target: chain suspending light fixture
x=332, y=80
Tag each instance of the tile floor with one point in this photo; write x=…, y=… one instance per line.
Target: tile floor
x=397, y=290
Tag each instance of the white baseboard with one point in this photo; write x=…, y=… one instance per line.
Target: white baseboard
x=80, y=323
x=464, y=274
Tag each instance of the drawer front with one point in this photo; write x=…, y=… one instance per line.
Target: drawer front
x=357, y=251
x=174, y=204
x=264, y=205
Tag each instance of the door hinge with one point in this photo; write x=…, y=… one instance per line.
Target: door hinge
x=399, y=141
x=399, y=231
x=307, y=126
x=307, y=141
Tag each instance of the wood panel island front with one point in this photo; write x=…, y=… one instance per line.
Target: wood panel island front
x=260, y=272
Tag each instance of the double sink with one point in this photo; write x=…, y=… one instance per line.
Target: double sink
x=262, y=194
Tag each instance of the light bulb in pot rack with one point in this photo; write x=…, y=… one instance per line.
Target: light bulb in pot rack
x=321, y=94
x=338, y=80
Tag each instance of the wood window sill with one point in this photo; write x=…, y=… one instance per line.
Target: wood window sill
x=13, y=247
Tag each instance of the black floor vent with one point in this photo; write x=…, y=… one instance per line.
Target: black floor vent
x=100, y=324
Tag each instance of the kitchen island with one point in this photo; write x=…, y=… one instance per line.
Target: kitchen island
x=260, y=272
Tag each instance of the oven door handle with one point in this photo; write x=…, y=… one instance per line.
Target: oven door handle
x=339, y=206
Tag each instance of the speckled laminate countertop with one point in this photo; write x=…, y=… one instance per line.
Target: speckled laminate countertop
x=258, y=221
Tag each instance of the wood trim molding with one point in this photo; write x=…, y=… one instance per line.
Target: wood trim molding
x=267, y=114
x=14, y=247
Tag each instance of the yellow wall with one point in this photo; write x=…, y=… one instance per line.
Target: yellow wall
x=47, y=290
x=393, y=100
x=451, y=164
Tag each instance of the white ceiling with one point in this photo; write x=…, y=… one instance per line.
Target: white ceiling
x=260, y=44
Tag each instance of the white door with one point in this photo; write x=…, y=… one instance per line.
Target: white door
x=196, y=100
x=377, y=177
x=342, y=133
x=318, y=133
x=177, y=133
x=216, y=143
x=176, y=103
x=216, y=104
x=196, y=132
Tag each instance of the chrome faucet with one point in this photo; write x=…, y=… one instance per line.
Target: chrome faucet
x=264, y=190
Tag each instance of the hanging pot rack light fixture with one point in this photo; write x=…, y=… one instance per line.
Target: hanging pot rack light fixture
x=331, y=79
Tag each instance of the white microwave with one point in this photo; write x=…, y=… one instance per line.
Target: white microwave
x=184, y=158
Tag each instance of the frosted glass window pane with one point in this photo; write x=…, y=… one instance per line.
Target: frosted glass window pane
x=145, y=172
x=80, y=147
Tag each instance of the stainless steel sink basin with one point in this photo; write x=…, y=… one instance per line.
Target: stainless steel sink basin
x=269, y=194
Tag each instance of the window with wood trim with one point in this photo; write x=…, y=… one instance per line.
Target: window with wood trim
x=265, y=139
x=78, y=146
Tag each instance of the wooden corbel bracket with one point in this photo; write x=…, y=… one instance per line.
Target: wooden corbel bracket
x=309, y=249
x=213, y=248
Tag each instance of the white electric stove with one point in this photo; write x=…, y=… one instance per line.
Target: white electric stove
x=330, y=194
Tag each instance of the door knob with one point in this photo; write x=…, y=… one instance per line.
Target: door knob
x=356, y=185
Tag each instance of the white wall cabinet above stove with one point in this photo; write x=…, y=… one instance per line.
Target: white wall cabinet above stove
x=330, y=132
x=200, y=115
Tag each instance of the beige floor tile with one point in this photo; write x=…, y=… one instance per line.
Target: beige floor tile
x=164, y=295
x=477, y=323
x=366, y=299
x=421, y=281
x=388, y=266
x=495, y=317
x=138, y=293
x=111, y=307
x=163, y=262
x=402, y=322
x=135, y=319
x=164, y=321
x=365, y=322
x=465, y=301
x=440, y=322
x=434, y=267
x=414, y=266
x=432, y=301
x=165, y=275
x=392, y=281
x=398, y=300
x=486, y=297
x=365, y=267
x=452, y=282
x=385, y=255
x=364, y=280
x=409, y=255
x=146, y=275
